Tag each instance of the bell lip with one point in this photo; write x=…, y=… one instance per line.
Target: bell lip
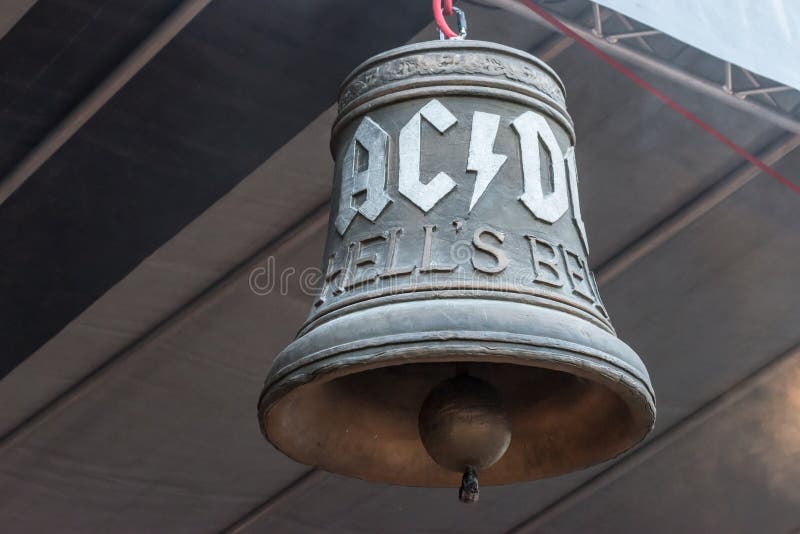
x=454, y=44
x=640, y=400
x=449, y=313
x=311, y=358
x=531, y=348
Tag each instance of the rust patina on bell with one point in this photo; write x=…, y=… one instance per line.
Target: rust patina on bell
x=459, y=329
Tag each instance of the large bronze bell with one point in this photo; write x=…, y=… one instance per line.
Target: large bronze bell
x=459, y=329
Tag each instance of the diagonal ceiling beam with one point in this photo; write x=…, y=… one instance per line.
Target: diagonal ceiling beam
x=308, y=479
x=110, y=86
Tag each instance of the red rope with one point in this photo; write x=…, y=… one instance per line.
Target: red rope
x=438, y=15
x=659, y=95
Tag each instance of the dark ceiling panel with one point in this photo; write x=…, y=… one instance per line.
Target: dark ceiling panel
x=239, y=82
x=56, y=54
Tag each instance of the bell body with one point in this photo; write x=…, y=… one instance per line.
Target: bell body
x=456, y=246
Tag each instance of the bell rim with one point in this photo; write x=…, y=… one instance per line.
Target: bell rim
x=407, y=343
x=635, y=390
x=451, y=44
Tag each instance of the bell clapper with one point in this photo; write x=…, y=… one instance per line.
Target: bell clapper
x=470, y=491
x=464, y=428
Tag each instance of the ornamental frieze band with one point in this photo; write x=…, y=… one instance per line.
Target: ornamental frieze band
x=447, y=63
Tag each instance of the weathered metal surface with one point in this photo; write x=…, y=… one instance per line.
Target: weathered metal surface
x=456, y=246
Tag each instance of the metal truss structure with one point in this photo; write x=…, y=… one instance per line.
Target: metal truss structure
x=652, y=50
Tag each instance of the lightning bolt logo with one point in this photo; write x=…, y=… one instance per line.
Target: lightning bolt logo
x=482, y=160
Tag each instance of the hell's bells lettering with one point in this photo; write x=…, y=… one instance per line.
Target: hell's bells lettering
x=547, y=188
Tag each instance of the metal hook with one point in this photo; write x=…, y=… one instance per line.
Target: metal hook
x=462, y=25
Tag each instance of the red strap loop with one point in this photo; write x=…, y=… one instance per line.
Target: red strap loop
x=439, y=12
x=447, y=7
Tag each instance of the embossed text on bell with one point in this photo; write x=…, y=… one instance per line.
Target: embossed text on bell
x=460, y=330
